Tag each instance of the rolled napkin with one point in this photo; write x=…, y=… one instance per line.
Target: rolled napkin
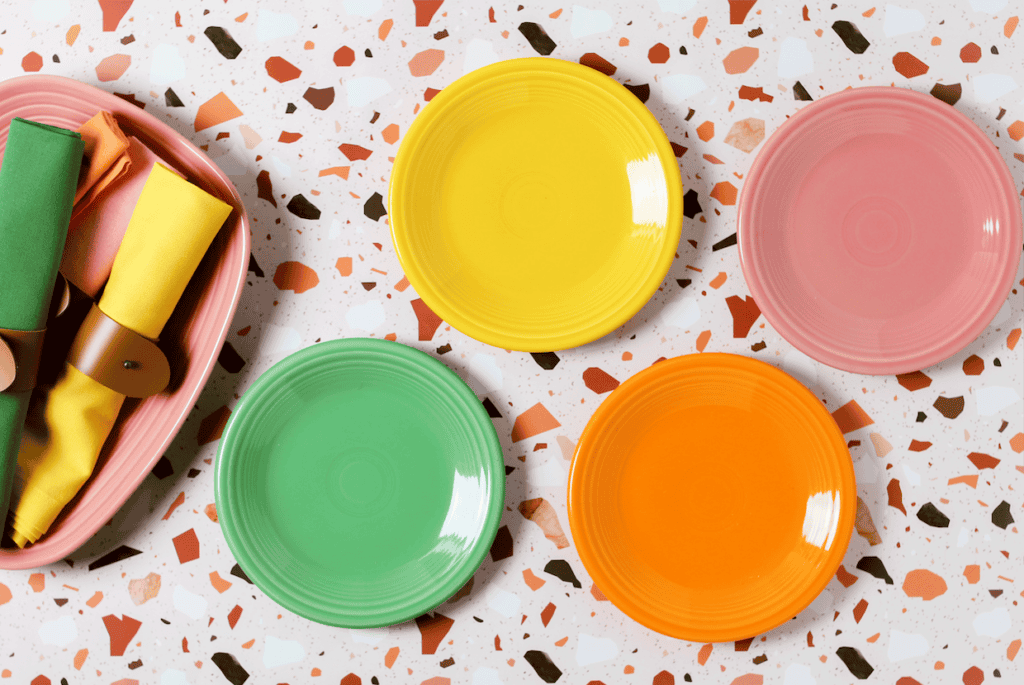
x=96, y=232
x=170, y=230
x=37, y=189
x=106, y=158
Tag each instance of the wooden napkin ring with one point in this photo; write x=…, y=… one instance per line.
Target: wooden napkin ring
x=19, y=359
x=118, y=357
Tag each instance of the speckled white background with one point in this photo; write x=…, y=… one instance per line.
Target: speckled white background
x=51, y=623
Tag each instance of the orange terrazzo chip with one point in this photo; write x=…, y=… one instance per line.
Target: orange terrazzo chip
x=851, y=417
x=535, y=420
x=215, y=111
x=219, y=584
x=187, y=546
x=740, y=60
x=924, y=584
x=532, y=581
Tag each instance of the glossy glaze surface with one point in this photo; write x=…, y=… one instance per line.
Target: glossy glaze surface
x=879, y=230
x=359, y=483
x=535, y=204
x=711, y=497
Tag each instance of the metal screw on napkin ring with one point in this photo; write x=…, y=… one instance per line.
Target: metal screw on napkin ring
x=118, y=357
x=19, y=359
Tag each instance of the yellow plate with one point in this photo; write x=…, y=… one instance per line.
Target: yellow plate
x=535, y=204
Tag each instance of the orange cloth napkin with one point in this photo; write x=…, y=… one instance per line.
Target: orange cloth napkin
x=106, y=158
x=96, y=232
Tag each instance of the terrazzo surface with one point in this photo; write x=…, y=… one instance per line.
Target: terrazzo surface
x=304, y=106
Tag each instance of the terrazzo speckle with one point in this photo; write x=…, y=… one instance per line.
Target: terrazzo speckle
x=305, y=106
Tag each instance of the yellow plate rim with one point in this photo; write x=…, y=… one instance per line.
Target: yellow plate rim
x=535, y=67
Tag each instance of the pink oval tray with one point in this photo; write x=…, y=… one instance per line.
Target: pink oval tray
x=879, y=230
x=193, y=337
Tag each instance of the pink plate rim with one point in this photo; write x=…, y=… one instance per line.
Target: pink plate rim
x=987, y=156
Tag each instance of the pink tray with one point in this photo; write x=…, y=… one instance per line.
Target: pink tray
x=193, y=337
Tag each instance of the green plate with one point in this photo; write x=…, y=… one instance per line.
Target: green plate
x=359, y=483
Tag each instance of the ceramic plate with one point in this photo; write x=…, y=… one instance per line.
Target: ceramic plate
x=359, y=483
x=535, y=204
x=711, y=497
x=879, y=230
x=193, y=337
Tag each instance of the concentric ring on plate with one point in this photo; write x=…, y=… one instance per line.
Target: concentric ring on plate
x=535, y=204
x=879, y=230
x=359, y=483
x=711, y=497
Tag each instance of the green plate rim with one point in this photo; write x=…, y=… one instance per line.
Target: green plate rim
x=492, y=459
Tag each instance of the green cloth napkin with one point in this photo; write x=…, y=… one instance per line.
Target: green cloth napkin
x=38, y=179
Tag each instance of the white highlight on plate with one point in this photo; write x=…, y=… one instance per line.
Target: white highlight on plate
x=366, y=317
x=899, y=21
x=994, y=399
x=360, y=92
x=676, y=6
x=587, y=22
x=682, y=313
x=912, y=478
x=167, y=65
x=51, y=11
x=592, y=650
x=987, y=6
x=992, y=623
x=484, y=374
x=801, y=367
x=677, y=88
x=479, y=53
x=962, y=536
x=798, y=674
x=505, y=603
x=369, y=636
x=821, y=519
x=648, y=192
x=468, y=507
x=548, y=474
x=906, y=646
x=334, y=232
x=189, y=603
x=280, y=339
x=277, y=652
x=273, y=25
x=486, y=676
x=282, y=169
x=795, y=58
x=988, y=87
x=173, y=677
x=60, y=633
x=362, y=8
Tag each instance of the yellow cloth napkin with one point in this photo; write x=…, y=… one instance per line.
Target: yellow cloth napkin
x=170, y=230
x=106, y=158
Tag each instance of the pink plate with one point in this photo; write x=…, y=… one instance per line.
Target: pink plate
x=879, y=230
x=192, y=338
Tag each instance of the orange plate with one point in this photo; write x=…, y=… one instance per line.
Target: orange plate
x=711, y=497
